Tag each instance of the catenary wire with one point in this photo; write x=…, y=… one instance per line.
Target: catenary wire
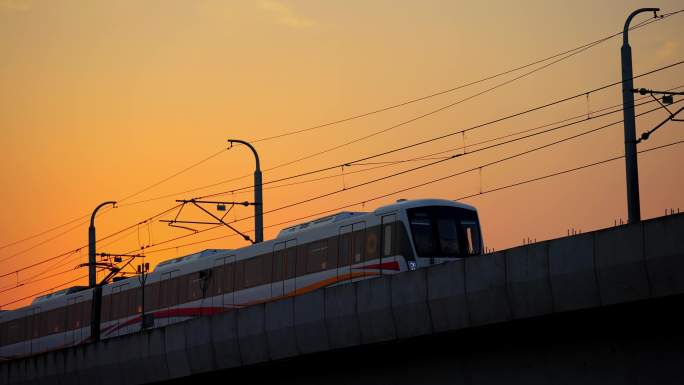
x=644, y=23
x=461, y=86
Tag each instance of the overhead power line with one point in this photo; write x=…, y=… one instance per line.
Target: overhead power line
x=434, y=156
x=120, y=200
x=410, y=170
x=388, y=152
x=450, y=134
x=44, y=291
x=461, y=86
x=594, y=115
x=360, y=116
x=319, y=213
x=452, y=157
x=574, y=169
x=567, y=171
x=46, y=260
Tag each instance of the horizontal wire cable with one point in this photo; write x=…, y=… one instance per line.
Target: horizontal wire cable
x=445, y=160
x=359, y=116
x=464, y=197
x=383, y=154
x=412, y=187
x=468, y=84
x=566, y=171
x=450, y=134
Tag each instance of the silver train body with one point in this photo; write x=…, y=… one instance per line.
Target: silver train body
x=337, y=249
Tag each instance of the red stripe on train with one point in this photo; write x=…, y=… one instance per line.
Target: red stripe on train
x=383, y=266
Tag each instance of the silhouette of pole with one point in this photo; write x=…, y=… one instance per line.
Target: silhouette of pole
x=258, y=200
x=631, y=166
x=92, y=279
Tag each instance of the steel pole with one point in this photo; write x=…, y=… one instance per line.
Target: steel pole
x=258, y=199
x=631, y=165
x=92, y=278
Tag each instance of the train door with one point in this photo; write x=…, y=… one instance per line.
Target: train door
x=278, y=260
x=32, y=331
x=168, y=296
x=344, y=253
x=289, y=284
x=388, y=234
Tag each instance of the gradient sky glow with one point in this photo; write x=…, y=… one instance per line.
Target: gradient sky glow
x=100, y=99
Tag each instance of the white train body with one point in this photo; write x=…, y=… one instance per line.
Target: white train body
x=337, y=249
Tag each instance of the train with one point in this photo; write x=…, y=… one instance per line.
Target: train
x=332, y=250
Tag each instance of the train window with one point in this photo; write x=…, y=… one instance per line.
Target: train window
x=72, y=316
x=472, y=237
x=448, y=237
x=278, y=265
x=195, y=287
x=151, y=296
x=267, y=264
x=106, y=308
x=359, y=245
x=423, y=234
x=172, y=293
x=14, y=334
x=317, y=257
x=218, y=273
x=345, y=246
x=32, y=323
x=229, y=277
x=39, y=324
x=85, y=314
x=371, y=243
x=387, y=240
x=253, y=271
x=331, y=253
x=137, y=302
x=290, y=260
x=58, y=319
x=163, y=289
x=239, y=275
x=183, y=287
x=121, y=301
x=444, y=232
x=301, y=260
x=133, y=301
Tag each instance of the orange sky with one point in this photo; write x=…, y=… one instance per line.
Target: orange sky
x=101, y=99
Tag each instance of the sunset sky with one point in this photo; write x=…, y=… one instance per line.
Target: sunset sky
x=102, y=100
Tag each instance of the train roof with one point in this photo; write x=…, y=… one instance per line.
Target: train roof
x=400, y=204
x=60, y=293
x=174, y=262
x=318, y=222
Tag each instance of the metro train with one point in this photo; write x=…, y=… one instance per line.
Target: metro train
x=337, y=249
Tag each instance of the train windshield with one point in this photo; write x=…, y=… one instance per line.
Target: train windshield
x=445, y=232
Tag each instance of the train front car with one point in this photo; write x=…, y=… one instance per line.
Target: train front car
x=441, y=231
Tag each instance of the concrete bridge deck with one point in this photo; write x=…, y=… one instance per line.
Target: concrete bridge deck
x=626, y=267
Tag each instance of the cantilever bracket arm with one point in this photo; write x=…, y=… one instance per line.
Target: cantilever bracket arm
x=220, y=220
x=647, y=134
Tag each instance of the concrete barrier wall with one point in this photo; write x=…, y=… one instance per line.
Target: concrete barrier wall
x=606, y=267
